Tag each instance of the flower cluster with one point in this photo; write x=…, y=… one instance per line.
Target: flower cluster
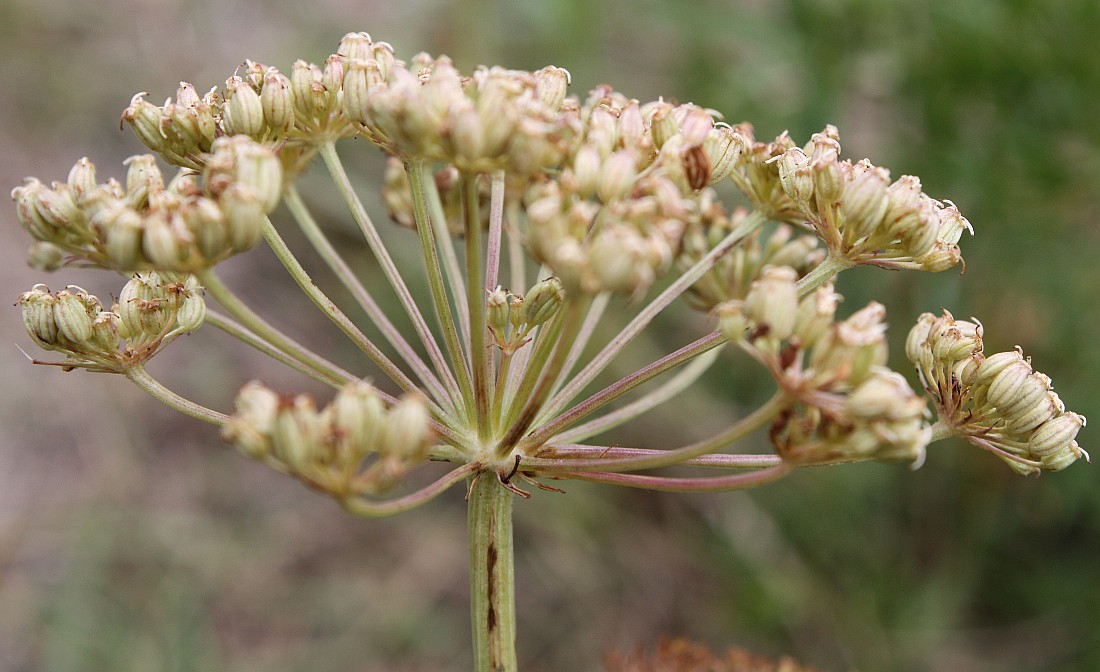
x=996, y=402
x=730, y=277
x=614, y=219
x=858, y=213
x=152, y=310
x=190, y=223
x=845, y=404
x=353, y=446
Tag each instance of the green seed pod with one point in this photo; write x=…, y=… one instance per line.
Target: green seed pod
x=38, y=308
x=144, y=119
x=244, y=216
x=358, y=419
x=297, y=434
x=543, y=301
x=497, y=312
x=276, y=100
x=82, y=178
x=407, y=432
x=1055, y=434
x=865, y=202
x=207, y=225
x=251, y=425
x=191, y=312
x=995, y=364
x=772, y=301
x=124, y=229
x=731, y=320
x=1063, y=457
x=74, y=311
x=243, y=113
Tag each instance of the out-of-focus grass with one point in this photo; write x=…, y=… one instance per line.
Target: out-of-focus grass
x=121, y=549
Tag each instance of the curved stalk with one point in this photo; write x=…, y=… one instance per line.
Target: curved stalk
x=378, y=509
x=822, y=273
x=672, y=484
x=140, y=377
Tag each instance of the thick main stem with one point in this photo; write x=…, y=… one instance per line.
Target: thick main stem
x=492, y=575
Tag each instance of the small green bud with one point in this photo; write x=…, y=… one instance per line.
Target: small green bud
x=731, y=320
x=497, y=312
x=206, y=223
x=358, y=418
x=191, y=309
x=251, y=426
x=144, y=119
x=160, y=243
x=995, y=364
x=82, y=178
x=143, y=178
x=124, y=237
x=617, y=175
x=815, y=314
x=542, y=301
x=297, y=434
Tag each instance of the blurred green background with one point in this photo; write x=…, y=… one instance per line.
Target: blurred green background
x=131, y=539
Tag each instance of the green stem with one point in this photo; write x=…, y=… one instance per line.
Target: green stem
x=668, y=390
x=643, y=318
x=331, y=311
x=450, y=260
x=440, y=300
x=336, y=378
x=140, y=377
x=619, y=388
x=705, y=484
x=492, y=575
x=731, y=435
x=260, y=327
x=822, y=273
x=342, y=271
x=547, y=376
x=475, y=300
x=370, y=233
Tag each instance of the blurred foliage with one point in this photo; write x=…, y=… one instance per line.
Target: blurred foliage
x=201, y=563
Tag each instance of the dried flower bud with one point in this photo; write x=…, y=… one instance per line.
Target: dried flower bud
x=251, y=426
x=277, y=101
x=497, y=312
x=551, y=85
x=38, y=308
x=243, y=113
x=772, y=301
x=865, y=202
x=74, y=311
x=617, y=175
x=359, y=418
x=407, y=433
